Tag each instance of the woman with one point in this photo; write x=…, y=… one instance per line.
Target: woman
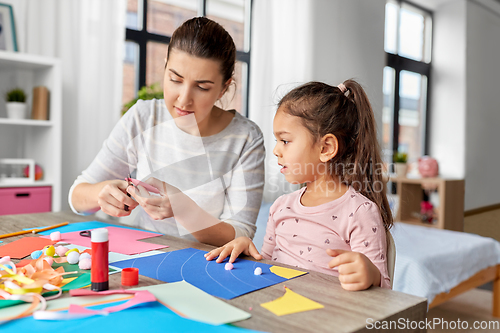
x=212, y=156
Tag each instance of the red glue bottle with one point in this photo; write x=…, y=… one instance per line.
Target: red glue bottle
x=99, y=271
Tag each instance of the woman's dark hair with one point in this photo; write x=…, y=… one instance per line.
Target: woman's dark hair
x=204, y=38
x=324, y=109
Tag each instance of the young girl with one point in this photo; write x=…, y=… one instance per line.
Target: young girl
x=337, y=223
x=186, y=141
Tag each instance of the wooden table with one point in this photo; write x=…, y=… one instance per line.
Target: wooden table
x=344, y=311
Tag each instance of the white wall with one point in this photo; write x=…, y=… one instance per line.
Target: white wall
x=448, y=87
x=348, y=42
x=465, y=108
x=482, y=144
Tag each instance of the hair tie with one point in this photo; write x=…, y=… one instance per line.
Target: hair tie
x=343, y=89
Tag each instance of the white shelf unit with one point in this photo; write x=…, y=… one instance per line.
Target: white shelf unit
x=33, y=139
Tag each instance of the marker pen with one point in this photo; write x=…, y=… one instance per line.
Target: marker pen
x=99, y=271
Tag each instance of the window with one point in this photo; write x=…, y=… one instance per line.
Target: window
x=408, y=31
x=150, y=24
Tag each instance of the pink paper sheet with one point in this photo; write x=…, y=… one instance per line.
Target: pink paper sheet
x=121, y=240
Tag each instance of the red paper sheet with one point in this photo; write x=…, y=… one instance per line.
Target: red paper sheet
x=23, y=247
x=121, y=240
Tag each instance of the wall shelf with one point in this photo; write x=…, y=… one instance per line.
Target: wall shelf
x=39, y=140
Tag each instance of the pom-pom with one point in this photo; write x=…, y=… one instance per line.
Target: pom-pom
x=228, y=266
x=85, y=263
x=84, y=255
x=61, y=250
x=257, y=271
x=36, y=254
x=4, y=259
x=50, y=251
x=73, y=257
x=55, y=236
x=72, y=250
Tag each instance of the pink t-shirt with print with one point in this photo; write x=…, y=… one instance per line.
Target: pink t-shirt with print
x=299, y=236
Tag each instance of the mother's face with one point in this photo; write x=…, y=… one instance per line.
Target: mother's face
x=191, y=86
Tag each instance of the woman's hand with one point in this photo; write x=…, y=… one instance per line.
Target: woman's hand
x=356, y=271
x=234, y=248
x=156, y=205
x=112, y=198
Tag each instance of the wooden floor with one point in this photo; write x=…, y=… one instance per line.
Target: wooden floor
x=474, y=305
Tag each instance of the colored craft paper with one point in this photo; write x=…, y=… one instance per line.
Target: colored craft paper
x=23, y=247
x=121, y=240
x=12, y=308
x=291, y=302
x=190, y=265
x=80, y=226
x=114, y=257
x=152, y=317
x=181, y=297
x=75, y=268
x=287, y=273
x=191, y=302
x=63, y=303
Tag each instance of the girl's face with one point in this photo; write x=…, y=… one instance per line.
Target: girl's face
x=298, y=153
x=191, y=86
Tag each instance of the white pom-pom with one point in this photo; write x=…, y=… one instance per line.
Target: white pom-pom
x=228, y=266
x=258, y=271
x=73, y=257
x=55, y=236
x=85, y=255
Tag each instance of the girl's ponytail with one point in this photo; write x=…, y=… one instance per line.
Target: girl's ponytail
x=367, y=176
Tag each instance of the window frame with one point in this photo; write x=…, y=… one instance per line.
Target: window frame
x=400, y=63
x=143, y=36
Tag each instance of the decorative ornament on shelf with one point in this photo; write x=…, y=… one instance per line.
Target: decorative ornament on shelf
x=38, y=172
x=16, y=104
x=400, y=165
x=428, y=167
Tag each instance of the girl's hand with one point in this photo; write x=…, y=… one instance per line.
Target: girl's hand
x=234, y=248
x=356, y=271
x=156, y=205
x=113, y=197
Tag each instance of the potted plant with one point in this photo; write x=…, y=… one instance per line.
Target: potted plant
x=400, y=166
x=145, y=93
x=16, y=103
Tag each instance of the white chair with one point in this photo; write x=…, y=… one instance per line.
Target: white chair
x=391, y=256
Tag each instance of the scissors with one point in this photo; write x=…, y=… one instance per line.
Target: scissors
x=85, y=233
x=128, y=194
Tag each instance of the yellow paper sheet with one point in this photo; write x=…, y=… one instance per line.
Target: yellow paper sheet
x=291, y=302
x=286, y=273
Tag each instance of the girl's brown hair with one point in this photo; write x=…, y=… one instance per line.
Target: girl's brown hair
x=348, y=115
x=204, y=38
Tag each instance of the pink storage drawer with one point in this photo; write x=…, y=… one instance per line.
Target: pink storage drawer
x=24, y=200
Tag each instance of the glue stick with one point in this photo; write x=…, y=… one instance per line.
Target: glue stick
x=99, y=271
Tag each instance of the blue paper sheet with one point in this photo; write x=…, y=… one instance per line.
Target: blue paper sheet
x=150, y=317
x=80, y=226
x=190, y=265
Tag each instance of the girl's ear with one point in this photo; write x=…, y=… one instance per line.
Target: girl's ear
x=329, y=147
x=226, y=85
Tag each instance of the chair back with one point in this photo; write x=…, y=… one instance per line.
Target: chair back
x=391, y=256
